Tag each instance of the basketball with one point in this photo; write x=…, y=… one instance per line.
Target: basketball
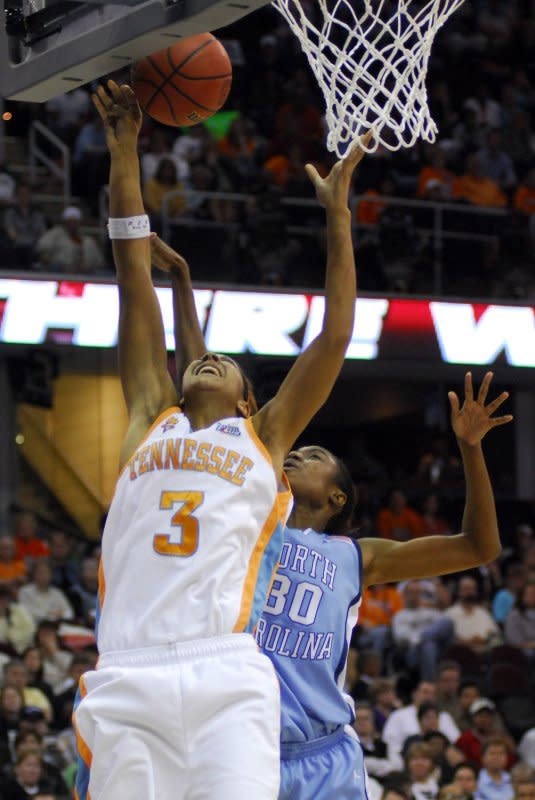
x=185, y=83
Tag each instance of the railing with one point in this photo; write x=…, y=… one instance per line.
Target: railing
x=37, y=155
x=438, y=233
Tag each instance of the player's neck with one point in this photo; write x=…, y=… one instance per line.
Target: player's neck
x=303, y=517
x=203, y=415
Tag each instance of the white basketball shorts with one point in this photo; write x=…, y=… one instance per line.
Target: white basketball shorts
x=197, y=720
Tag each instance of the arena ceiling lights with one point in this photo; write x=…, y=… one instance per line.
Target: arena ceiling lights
x=277, y=324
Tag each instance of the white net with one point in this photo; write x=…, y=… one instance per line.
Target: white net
x=370, y=58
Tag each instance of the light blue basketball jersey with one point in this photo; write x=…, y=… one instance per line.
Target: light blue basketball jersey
x=305, y=629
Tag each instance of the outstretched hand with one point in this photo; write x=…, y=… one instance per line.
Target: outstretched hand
x=474, y=419
x=120, y=114
x=165, y=258
x=333, y=191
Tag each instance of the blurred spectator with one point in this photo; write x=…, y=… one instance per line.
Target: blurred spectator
x=397, y=521
x=24, y=223
x=298, y=119
x=403, y=722
x=30, y=741
x=518, y=140
x=495, y=163
x=420, y=766
x=159, y=149
x=41, y=599
x=33, y=661
x=66, y=575
x=421, y=632
x=525, y=790
x=369, y=665
x=494, y=783
x=435, y=171
x=238, y=148
x=487, y=110
x=12, y=569
x=504, y=599
x=191, y=145
x=375, y=750
x=27, y=543
x=28, y=778
x=16, y=674
x=524, y=199
x=84, y=594
x=485, y=727
x=469, y=692
x=165, y=180
x=16, y=624
x=379, y=604
x=448, y=683
x=433, y=523
x=64, y=248
x=66, y=691
x=384, y=700
x=465, y=778
x=56, y=661
x=473, y=624
x=11, y=705
x=526, y=748
x=475, y=188
x=520, y=622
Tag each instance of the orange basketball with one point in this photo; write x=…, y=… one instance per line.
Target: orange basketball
x=185, y=83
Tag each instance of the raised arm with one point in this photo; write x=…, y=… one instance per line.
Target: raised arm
x=147, y=385
x=311, y=379
x=479, y=543
x=189, y=341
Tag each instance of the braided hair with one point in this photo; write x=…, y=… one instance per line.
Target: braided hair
x=340, y=522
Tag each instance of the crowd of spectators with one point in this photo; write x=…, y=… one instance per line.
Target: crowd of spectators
x=48, y=597
x=480, y=92
x=440, y=669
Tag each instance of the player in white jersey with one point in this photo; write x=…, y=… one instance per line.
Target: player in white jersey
x=182, y=705
x=313, y=604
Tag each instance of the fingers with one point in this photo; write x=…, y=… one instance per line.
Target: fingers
x=131, y=99
x=468, y=390
x=356, y=152
x=495, y=421
x=454, y=402
x=484, y=388
x=313, y=174
x=97, y=102
x=492, y=407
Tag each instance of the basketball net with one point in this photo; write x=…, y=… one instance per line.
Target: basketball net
x=370, y=58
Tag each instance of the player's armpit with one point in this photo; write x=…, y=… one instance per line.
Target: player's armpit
x=388, y=562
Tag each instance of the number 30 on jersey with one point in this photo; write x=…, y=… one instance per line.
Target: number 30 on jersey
x=185, y=504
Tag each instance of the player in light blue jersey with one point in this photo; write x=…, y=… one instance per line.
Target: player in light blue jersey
x=313, y=604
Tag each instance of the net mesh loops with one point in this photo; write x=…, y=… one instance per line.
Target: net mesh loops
x=370, y=58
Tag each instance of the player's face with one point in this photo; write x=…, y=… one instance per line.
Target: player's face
x=214, y=373
x=311, y=472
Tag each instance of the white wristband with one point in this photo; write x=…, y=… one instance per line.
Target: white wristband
x=129, y=227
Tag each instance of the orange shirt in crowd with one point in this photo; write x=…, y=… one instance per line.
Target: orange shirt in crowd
x=369, y=211
x=14, y=571
x=478, y=191
x=379, y=604
x=281, y=169
x=524, y=200
x=433, y=174
x=227, y=148
x=34, y=548
x=401, y=526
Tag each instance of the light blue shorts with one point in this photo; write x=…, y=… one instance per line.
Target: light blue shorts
x=330, y=768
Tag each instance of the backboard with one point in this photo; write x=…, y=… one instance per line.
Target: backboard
x=48, y=47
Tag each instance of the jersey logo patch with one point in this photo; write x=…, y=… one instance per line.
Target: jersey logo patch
x=232, y=430
x=169, y=424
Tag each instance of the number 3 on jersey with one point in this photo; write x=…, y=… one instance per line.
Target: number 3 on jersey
x=183, y=518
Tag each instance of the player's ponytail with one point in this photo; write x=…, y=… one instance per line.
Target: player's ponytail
x=340, y=522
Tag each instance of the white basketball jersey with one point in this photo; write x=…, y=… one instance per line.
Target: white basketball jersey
x=192, y=537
